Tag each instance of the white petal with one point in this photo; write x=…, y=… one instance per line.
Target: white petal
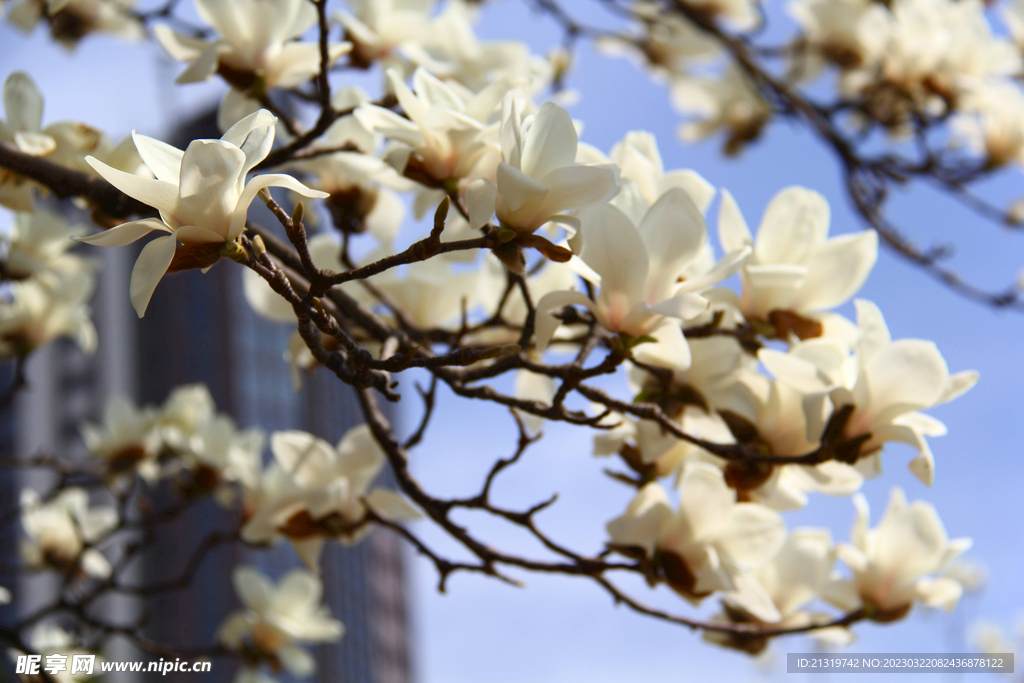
x=162, y=159
x=550, y=143
x=733, y=232
x=795, y=222
x=480, y=196
x=546, y=324
x=123, y=234
x=516, y=187
x=674, y=233
x=958, y=384
x=574, y=187
x=253, y=588
x=23, y=103
x=614, y=249
x=392, y=506
x=257, y=184
x=150, y=267
x=838, y=269
x=161, y=195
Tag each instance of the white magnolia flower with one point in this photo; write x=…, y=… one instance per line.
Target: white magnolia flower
x=72, y=20
x=40, y=241
x=377, y=28
x=938, y=45
x=59, y=530
x=667, y=43
x=638, y=268
x=276, y=619
x=40, y=309
x=48, y=639
x=127, y=440
x=312, y=491
x=848, y=33
x=538, y=178
x=727, y=102
x=257, y=48
x=705, y=544
x=201, y=195
x=793, y=267
x=639, y=162
x=451, y=50
x=891, y=563
x=891, y=381
x=445, y=135
x=65, y=143
x=991, y=122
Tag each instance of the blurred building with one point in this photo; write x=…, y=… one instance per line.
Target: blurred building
x=198, y=328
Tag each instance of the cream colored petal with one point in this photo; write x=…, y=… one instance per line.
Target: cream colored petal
x=150, y=267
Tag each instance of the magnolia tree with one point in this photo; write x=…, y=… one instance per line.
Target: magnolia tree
x=557, y=282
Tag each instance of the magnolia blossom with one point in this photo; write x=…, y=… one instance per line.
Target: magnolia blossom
x=201, y=195
x=127, y=439
x=892, y=381
x=794, y=272
x=256, y=50
x=446, y=132
x=728, y=102
x=637, y=268
x=48, y=639
x=891, y=562
x=708, y=541
x=72, y=20
x=277, y=619
x=668, y=43
x=60, y=532
x=312, y=491
x=377, y=27
x=847, y=33
x=65, y=143
x=450, y=48
x=35, y=311
x=538, y=178
x=777, y=592
x=991, y=122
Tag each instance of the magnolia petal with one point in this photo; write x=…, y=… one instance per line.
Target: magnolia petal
x=612, y=246
x=725, y=268
x=733, y=232
x=391, y=506
x=574, y=187
x=674, y=233
x=908, y=374
x=669, y=349
x=196, y=234
x=546, y=323
x=837, y=269
x=23, y=103
x=704, y=498
x=942, y=592
x=178, y=46
x=34, y=144
x=480, y=196
x=254, y=135
x=517, y=188
x=309, y=551
x=257, y=184
x=683, y=306
x=753, y=534
x=160, y=194
x=149, y=268
x=264, y=300
x=253, y=588
x=795, y=222
x=772, y=276
x=642, y=523
x=550, y=143
x=874, y=334
x=700, y=190
x=123, y=234
x=162, y=159
x=202, y=67
x=958, y=384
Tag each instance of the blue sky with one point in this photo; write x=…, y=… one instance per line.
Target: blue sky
x=561, y=629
